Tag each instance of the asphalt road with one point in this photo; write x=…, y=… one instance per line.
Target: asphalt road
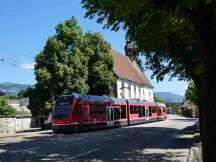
x=165, y=141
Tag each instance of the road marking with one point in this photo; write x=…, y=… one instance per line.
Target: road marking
x=26, y=150
x=2, y=151
x=82, y=154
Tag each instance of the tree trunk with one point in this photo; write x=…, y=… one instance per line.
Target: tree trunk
x=198, y=83
x=207, y=87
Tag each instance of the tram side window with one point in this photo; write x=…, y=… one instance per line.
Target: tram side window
x=150, y=111
x=117, y=112
x=103, y=109
x=91, y=109
x=123, y=111
x=136, y=110
x=140, y=111
x=160, y=111
x=154, y=109
x=100, y=109
x=146, y=111
x=132, y=110
x=78, y=109
x=97, y=109
x=143, y=111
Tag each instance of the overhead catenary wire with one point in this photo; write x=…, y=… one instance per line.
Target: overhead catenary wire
x=20, y=54
x=13, y=60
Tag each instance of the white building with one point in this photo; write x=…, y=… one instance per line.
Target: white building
x=16, y=104
x=132, y=82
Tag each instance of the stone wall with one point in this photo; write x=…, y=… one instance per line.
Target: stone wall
x=11, y=125
x=23, y=123
x=7, y=125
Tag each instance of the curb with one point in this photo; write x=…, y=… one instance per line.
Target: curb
x=30, y=130
x=195, y=154
x=18, y=133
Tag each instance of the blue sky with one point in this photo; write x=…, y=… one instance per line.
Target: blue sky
x=26, y=25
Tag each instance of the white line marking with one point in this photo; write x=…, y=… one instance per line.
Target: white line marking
x=26, y=150
x=82, y=154
x=2, y=151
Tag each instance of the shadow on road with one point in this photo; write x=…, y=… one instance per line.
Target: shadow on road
x=120, y=144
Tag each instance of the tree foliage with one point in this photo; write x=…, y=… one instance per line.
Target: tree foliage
x=100, y=65
x=71, y=61
x=5, y=108
x=158, y=99
x=177, y=38
x=156, y=30
x=191, y=93
x=36, y=102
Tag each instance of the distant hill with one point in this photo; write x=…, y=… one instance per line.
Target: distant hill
x=169, y=97
x=12, y=88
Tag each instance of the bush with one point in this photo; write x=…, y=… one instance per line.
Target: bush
x=5, y=108
x=186, y=112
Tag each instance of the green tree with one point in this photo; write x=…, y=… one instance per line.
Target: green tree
x=158, y=99
x=36, y=101
x=72, y=61
x=191, y=93
x=177, y=38
x=61, y=65
x=13, y=97
x=5, y=108
x=100, y=65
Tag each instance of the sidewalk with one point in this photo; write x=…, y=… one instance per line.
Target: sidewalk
x=195, y=153
x=19, y=133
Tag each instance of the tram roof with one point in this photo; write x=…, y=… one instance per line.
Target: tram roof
x=87, y=97
x=134, y=101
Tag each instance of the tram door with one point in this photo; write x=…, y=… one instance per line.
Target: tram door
x=110, y=115
x=85, y=113
x=161, y=112
x=147, y=113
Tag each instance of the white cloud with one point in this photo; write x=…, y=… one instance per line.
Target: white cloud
x=27, y=66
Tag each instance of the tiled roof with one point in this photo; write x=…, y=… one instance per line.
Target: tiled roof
x=125, y=68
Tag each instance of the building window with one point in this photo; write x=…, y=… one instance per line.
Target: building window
x=143, y=94
x=129, y=90
x=134, y=91
x=122, y=89
x=140, y=96
x=149, y=95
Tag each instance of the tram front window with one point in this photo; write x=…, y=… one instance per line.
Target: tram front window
x=63, y=106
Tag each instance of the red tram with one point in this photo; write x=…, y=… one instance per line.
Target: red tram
x=82, y=112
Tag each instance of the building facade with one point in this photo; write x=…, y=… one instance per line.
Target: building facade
x=131, y=81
